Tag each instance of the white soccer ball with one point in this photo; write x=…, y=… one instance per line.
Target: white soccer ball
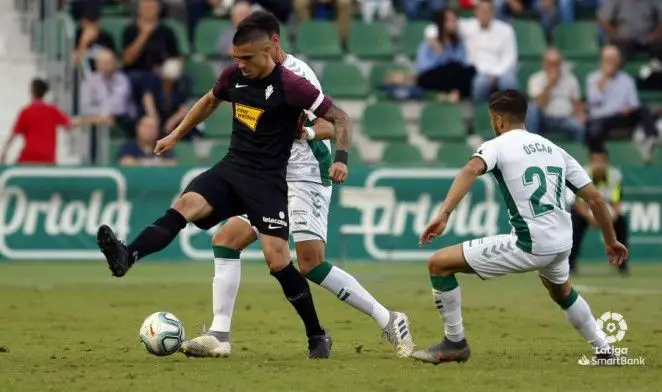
x=162, y=333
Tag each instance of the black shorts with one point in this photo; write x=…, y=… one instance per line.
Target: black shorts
x=233, y=192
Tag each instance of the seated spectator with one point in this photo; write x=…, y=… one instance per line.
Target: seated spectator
x=38, y=123
x=240, y=10
x=633, y=26
x=147, y=43
x=377, y=9
x=89, y=36
x=491, y=49
x=442, y=63
x=551, y=12
x=106, y=94
x=556, y=102
x=613, y=104
x=167, y=95
x=343, y=9
x=140, y=151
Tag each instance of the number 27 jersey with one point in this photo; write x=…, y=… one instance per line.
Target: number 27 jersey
x=532, y=174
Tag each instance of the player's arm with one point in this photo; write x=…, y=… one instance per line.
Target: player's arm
x=323, y=130
x=483, y=161
x=461, y=185
x=341, y=128
x=580, y=183
x=206, y=105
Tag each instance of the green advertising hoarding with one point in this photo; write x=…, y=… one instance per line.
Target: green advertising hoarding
x=52, y=213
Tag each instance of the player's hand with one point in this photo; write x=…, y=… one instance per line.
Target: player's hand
x=617, y=253
x=166, y=144
x=338, y=172
x=434, y=229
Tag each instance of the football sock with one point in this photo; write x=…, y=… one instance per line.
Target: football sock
x=227, y=275
x=580, y=316
x=297, y=291
x=158, y=235
x=349, y=290
x=448, y=299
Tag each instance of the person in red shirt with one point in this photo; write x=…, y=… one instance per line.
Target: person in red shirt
x=37, y=123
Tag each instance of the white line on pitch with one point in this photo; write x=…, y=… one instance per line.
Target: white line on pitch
x=613, y=290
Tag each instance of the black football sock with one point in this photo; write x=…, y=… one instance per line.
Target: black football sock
x=158, y=235
x=297, y=291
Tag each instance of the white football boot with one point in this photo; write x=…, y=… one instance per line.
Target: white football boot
x=210, y=344
x=398, y=334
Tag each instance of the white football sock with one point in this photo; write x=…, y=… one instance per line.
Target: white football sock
x=449, y=304
x=580, y=316
x=349, y=290
x=227, y=276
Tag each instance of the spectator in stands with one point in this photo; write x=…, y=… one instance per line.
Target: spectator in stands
x=555, y=95
x=634, y=26
x=140, y=151
x=240, y=10
x=146, y=43
x=491, y=48
x=442, y=62
x=343, y=9
x=90, y=37
x=613, y=104
x=106, y=94
x=195, y=11
x=551, y=12
x=167, y=95
x=412, y=8
x=38, y=123
x=608, y=180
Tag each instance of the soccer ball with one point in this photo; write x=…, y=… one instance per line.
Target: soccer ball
x=162, y=333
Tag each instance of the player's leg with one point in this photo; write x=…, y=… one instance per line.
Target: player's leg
x=296, y=289
x=308, y=205
x=579, y=226
x=622, y=234
x=227, y=244
x=195, y=205
x=556, y=278
x=443, y=266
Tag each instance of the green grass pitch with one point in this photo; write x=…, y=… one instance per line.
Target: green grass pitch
x=71, y=327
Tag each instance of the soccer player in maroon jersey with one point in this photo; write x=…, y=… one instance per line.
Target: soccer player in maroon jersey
x=267, y=101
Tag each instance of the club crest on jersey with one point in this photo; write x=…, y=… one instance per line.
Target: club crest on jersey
x=248, y=115
x=268, y=91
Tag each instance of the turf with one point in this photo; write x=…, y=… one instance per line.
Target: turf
x=71, y=327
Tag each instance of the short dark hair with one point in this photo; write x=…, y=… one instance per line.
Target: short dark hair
x=39, y=88
x=598, y=148
x=510, y=103
x=249, y=33
x=262, y=20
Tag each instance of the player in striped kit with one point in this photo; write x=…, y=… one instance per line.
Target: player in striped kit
x=309, y=196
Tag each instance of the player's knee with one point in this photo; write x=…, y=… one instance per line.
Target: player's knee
x=309, y=255
x=191, y=205
x=437, y=265
x=276, y=254
x=558, y=292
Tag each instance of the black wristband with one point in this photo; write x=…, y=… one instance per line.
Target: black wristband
x=341, y=156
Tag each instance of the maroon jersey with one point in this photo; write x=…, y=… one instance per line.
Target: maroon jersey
x=266, y=116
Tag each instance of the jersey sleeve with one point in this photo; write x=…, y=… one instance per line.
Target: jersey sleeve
x=302, y=94
x=575, y=176
x=312, y=78
x=489, y=153
x=220, y=89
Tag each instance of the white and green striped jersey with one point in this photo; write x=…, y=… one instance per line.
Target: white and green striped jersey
x=532, y=173
x=310, y=160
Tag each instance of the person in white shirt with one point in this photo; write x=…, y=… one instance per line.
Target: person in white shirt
x=491, y=48
x=555, y=99
x=532, y=173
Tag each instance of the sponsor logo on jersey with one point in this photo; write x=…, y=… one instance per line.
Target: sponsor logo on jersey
x=248, y=115
x=269, y=90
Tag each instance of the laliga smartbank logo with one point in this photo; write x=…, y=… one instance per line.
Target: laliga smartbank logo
x=613, y=327
x=395, y=205
x=54, y=213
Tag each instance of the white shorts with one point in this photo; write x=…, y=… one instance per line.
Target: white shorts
x=308, y=206
x=497, y=255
